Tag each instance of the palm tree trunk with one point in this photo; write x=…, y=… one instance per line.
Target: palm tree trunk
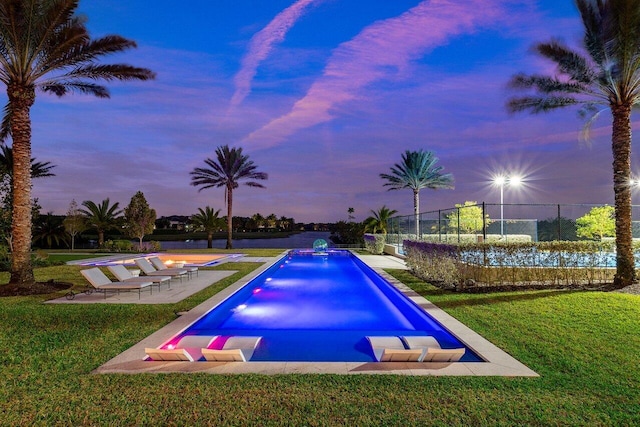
x=21, y=100
x=100, y=238
x=416, y=211
x=229, y=217
x=209, y=240
x=621, y=147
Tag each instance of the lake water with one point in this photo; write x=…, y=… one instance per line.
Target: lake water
x=295, y=241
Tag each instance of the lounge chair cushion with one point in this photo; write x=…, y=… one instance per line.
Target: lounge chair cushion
x=380, y=344
x=231, y=355
x=443, y=354
x=164, y=354
x=394, y=355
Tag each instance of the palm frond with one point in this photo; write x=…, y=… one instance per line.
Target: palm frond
x=5, y=127
x=537, y=104
x=61, y=89
x=569, y=62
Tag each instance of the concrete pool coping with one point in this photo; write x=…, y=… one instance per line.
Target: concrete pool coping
x=498, y=362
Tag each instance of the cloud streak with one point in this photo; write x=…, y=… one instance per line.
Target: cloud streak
x=381, y=51
x=261, y=45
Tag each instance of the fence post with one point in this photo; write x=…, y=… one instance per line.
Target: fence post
x=484, y=224
x=458, y=211
x=559, y=224
x=439, y=226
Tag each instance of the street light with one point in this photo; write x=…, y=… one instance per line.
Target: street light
x=501, y=181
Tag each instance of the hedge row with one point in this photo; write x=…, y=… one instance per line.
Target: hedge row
x=543, y=264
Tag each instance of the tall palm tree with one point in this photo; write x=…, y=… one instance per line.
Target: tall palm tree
x=230, y=168
x=418, y=170
x=207, y=220
x=378, y=222
x=606, y=77
x=44, y=45
x=102, y=217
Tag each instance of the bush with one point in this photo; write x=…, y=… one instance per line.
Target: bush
x=544, y=264
x=374, y=243
x=152, y=246
x=117, y=246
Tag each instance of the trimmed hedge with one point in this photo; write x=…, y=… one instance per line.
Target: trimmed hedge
x=533, y=265
x=374, y=243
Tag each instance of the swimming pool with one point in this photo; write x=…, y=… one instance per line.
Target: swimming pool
x=319, y=307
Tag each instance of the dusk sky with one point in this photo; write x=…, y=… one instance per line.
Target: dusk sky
x=324, y=95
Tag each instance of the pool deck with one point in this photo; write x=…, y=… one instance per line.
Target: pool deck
x=498, y=363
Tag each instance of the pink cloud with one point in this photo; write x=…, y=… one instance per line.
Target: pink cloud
x=261, y=45
x=382, y=50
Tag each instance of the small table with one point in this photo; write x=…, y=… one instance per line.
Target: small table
x=135, y=272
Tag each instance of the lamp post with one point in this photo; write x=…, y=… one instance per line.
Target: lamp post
x=501, y=181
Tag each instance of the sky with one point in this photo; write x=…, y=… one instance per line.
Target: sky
x=324, y=96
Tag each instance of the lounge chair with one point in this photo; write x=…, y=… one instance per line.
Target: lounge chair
x=103, y=284
x=236, y=349
x=431, y=351
x=160, y=266
x=149, y=270
x=124, y=275
x=165, y=354
x=189, y=348
x=391, y=349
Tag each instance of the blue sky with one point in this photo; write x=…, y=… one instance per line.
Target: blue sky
x=324, y=95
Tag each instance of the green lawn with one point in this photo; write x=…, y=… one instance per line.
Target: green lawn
x=585, y=346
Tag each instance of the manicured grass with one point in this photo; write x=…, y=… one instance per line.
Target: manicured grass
x=585, y=346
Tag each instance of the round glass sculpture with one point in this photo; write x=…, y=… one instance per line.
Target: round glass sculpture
x=320, y=245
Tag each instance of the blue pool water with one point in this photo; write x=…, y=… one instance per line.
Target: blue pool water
x=319, y=307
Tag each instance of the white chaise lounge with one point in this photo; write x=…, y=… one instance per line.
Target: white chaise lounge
x=391, y=349
x=103, y=284
x=149, y=270
x=161, y=266
x=431, y=351
x=235, y=349
x=124, y=275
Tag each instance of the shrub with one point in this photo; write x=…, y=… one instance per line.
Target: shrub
x=117, y=246
x=572, y=264
x=374, y=243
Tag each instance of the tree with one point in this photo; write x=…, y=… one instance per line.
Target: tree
x=139, y=218
x=207, y=220
x=45, y=46
x=599, y=222
x=38, y=170
x=418, y=170
x=606, y=78
x=467, y=218
x=75, y=222
x=350, y=214
x=49, y=230
x=230, y=168
x=378, y=222
x=558, y=228
x=102, y=217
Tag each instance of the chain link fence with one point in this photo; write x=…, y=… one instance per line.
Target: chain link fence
x=494, y=222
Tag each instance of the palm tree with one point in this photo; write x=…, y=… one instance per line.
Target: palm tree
x=378, y=222
x=228, y=171
x=44, y=45
x=607, y=77
x=418, y=170
x=49, y=229
x=207, y=220
x=102, y=217
x=38, y=170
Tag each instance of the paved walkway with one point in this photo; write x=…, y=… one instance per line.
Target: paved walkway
x=178, y=291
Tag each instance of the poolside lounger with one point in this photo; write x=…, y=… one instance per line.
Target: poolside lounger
x=124, y=275
x=391, y=349
x=102, y=283
x=193, y=344
x=236, y=349
x=160, y=266
x=431, y=351
x=162, y=354
x=149, y=269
